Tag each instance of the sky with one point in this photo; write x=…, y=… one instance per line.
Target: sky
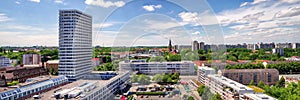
x=154, y=22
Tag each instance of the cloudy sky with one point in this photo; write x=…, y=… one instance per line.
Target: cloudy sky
x=153, y=22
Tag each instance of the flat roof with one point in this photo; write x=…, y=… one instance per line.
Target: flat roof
x=259, y=96
x=230, y=83
x=122, y=62
x=205, y=68
x=74, y=86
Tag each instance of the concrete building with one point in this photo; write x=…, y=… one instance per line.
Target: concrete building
x=244, y=76
x=227, y=88
x=31, y=59
x=266, y=45
x=279, y=51
x=195, y=45
x=180, y=47
x=202, y=73
x=4, y=62
x=252, y=46
x=152, y=68
x=75, y=44
x=31, y=87
x=296, y=45
x=91, y=88
x=251, y=96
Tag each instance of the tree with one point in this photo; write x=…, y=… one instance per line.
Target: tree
x=200, y=90
x=251, y=82
x=157, y=59
x=134, y=78
x=261, y=84
x=165, y=78
x=281, y=82
x=175, y=57
x=217, y=97
x=157, y=78
x=169, y=79
x=190, y=98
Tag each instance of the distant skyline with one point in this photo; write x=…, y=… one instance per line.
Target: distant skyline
x=35, y=22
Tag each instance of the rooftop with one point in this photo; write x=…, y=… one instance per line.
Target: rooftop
x=230, y=83
x=53, y=61
x=259, y=96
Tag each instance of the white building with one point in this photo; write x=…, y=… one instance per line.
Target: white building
x=251, y=96
x=279, y=51
x=91, y=88
x=202, y=73
x=4, y=62
x=227, y=88
x=32, y=86
x=296, y=45
x=31, y=59
x=183, y=67
x=75, y=44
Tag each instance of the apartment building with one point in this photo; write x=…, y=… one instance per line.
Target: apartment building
x=31, y=59
x=202, y=73
x=4, y=62
x=244, y=76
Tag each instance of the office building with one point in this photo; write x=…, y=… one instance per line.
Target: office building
x=92, y=88
x=202, y=73
x=32, y=87
x=31, y=59
x=75, y=44
x=284, y=45
x=227, y=88
x=201, y=45
x=252, y=46
x=244, y=76
x=4, y=62
x=266, y=45
x=195, y=46
x=152, y=68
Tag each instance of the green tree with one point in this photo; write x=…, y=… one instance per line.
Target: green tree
x=169, y=79
x=217, y=97
x=174, y=57
x=261, y=84
x=190, y=98
x=251, y=82
x=157, y=78
x=157, y=59
x=165, y=78
x=281, y=82
x=200, y=90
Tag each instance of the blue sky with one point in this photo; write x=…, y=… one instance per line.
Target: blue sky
x=153, y=22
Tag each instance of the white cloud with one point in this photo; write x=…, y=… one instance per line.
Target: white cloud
x=59, y=1
x=37, y=1
x=151, y=7
x=196, y=33
x=196, y=19
x=243, y=4
x=292, y=11
x=258, y=1
x=105, y=4
x=290, y=1
x=4, y=18
x=17, y=2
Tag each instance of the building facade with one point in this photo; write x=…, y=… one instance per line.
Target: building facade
x=202, y=73
x=31, y=59
x=296, y=45
x=152, y=68
x=75, y=44
x=245, y=76
x=4, y=62
x=195, y=45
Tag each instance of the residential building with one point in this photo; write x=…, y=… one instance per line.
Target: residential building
x=251, y=96
x=279, y=51
x=284, y=45
x=92, y=88
x=296, y=45
x=227, y=88
x=75, y=44
x=31, y=87
x=201, y=45
x=52, y=64
x=21, y=73
x=266, y=45
x=244, y=76
x=195, y=45
x=180, y=47
x=152, y=68
x=252, y=46
x=293, y=58
x=4, y=62
x=31, y=59
x=202, y=73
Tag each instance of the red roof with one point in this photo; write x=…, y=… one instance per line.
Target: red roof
x=95, y=58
